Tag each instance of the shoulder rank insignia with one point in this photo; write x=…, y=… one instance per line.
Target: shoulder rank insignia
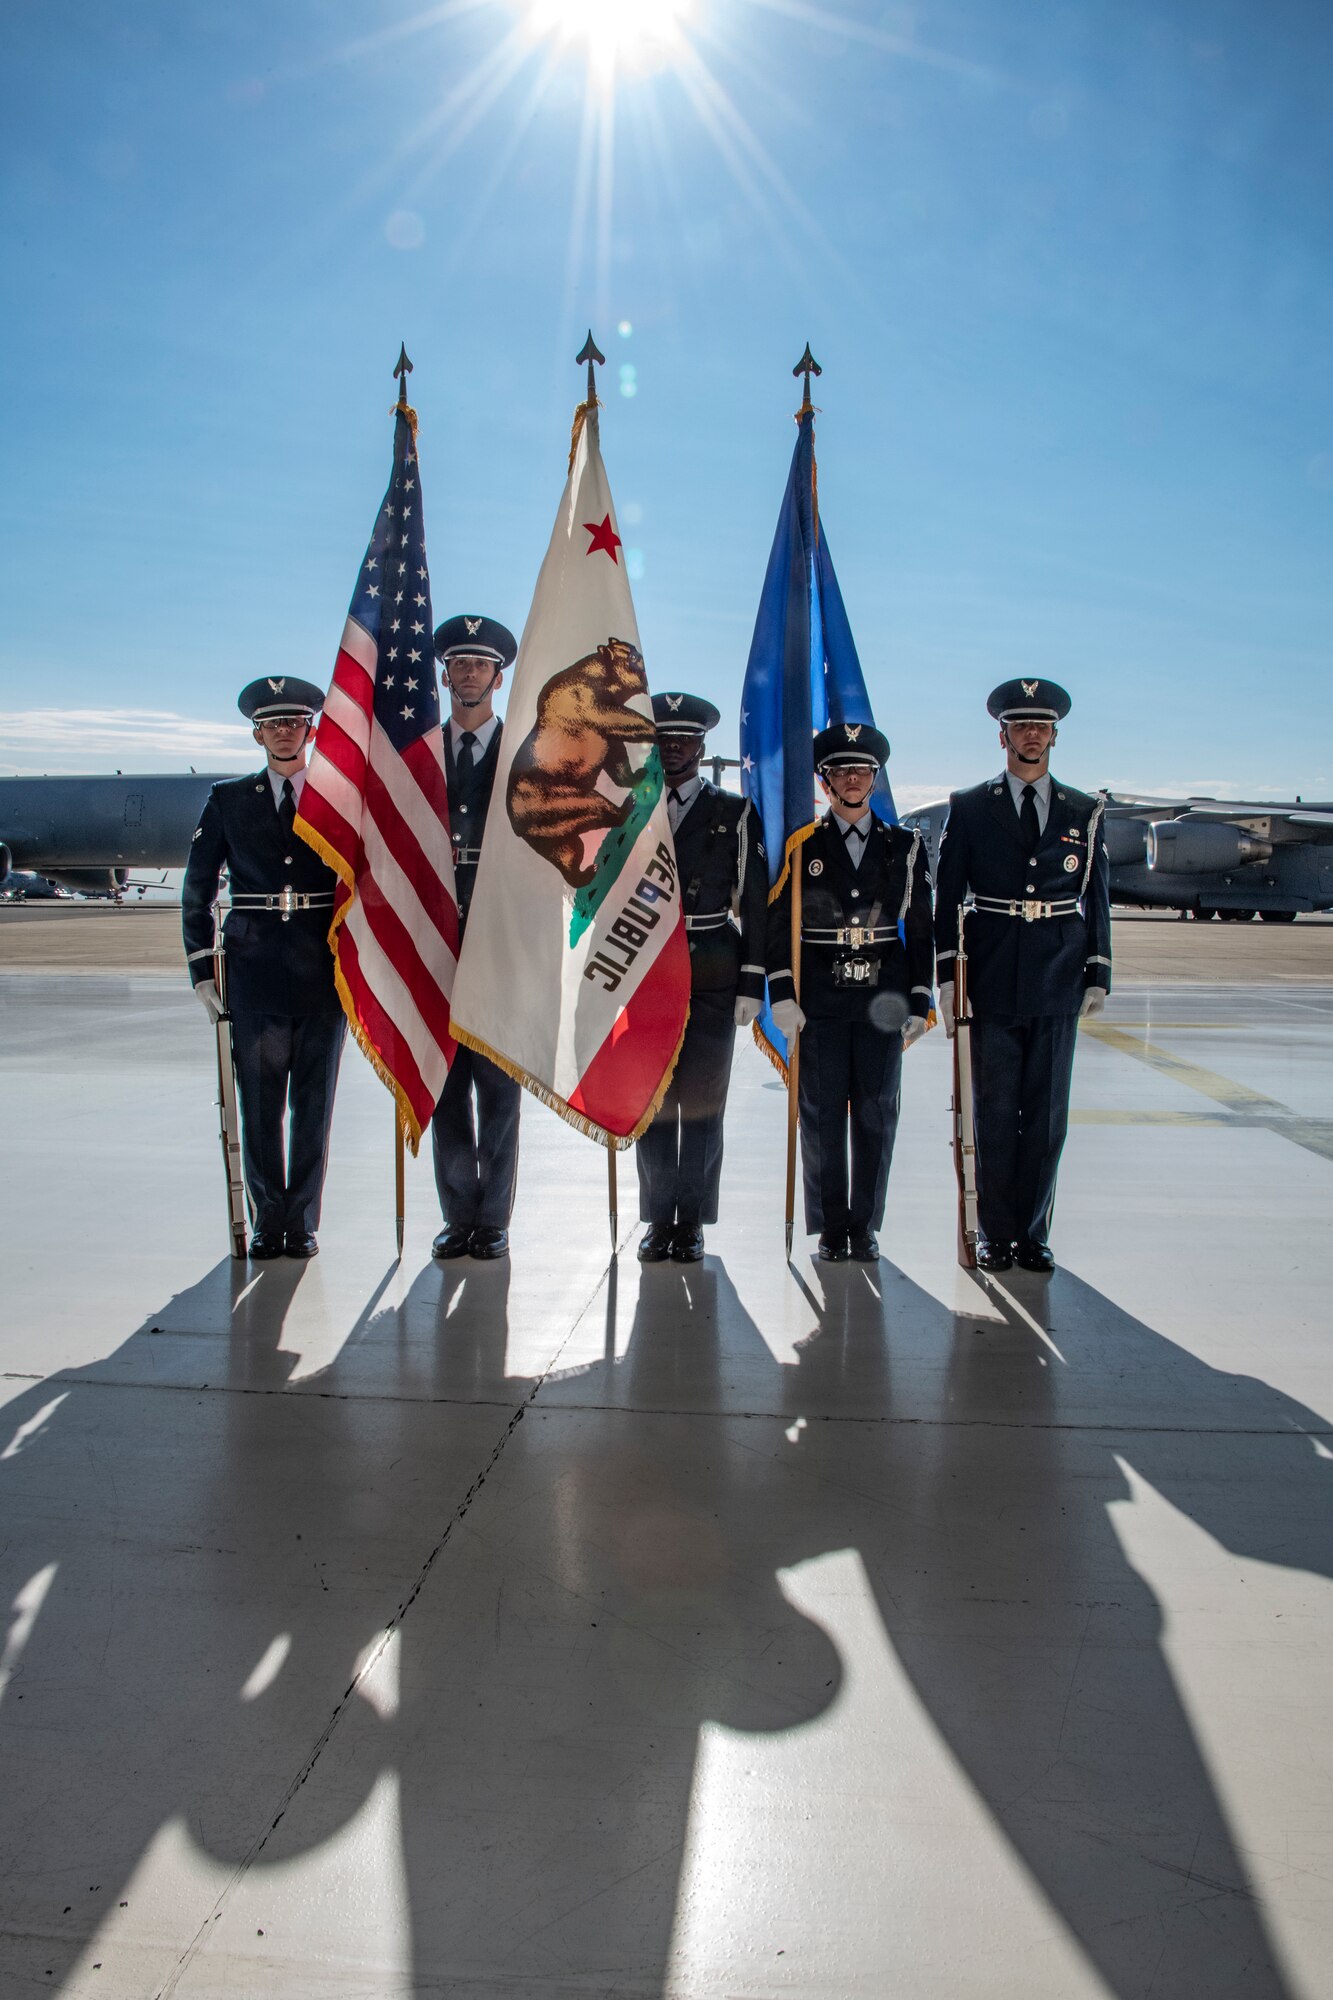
x=1029, y=688
x=473, y=627
x=278, y=686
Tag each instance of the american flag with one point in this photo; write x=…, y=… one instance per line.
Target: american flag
x=376, y=808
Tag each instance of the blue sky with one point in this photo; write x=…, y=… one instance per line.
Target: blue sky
x=1066, y=266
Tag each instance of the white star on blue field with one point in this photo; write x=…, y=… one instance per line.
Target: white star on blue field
x=1065, y=266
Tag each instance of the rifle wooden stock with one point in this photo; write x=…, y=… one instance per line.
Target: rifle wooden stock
x=229, y=1123
x=964, y=1123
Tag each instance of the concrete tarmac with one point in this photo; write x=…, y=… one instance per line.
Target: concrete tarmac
x=565, y=1628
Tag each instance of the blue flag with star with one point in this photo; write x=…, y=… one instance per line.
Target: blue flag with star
x=803, y=671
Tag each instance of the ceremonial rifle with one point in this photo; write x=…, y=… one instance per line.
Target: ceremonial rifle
x=229, y=1125
x=964, y=1123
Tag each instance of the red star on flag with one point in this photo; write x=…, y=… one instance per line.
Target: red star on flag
x=604, y=537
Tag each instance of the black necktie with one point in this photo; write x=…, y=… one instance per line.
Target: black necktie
x=466, y=744
x=1027, y=818
x=673, y=798
x=287, y=805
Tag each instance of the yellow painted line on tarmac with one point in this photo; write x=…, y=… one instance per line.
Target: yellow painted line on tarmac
x=1248, y=1107
x=1236, y=1096
x=1150, y=1118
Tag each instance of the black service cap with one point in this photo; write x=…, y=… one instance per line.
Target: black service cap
x=1031, y=701
x=486, y=636
x=280, y=694
x=851, y=743
x=684, y=715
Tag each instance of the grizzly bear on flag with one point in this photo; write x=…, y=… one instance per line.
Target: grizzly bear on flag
x=584, y=727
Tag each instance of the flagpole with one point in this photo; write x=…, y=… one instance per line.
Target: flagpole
x=805, y=367
x=794, y=1052
x=613, y=1206
x=399, y=1162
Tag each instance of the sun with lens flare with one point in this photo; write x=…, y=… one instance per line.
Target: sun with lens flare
x=618, y=35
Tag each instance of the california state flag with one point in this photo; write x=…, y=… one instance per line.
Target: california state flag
x=574, y=973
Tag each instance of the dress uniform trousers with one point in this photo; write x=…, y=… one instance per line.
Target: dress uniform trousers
x=680, y=1155
x=474, y=1127
x=286, y=1067
x=1021, y=1071
x=474, y=1137
x=849, y=1093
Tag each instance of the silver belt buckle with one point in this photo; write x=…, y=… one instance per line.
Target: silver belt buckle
x=1031, y=911
x=287, y=902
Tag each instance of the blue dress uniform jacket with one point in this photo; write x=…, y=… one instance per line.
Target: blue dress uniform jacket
x=1043, y=964
x=287, y=1022
x=474, y=1128
x=1028, y=967
x=272, y=966
x=724, y=892
x=851, y=1047
x=469, y=804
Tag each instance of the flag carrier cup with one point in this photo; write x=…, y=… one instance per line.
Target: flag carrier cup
x=229, y=1123
x=964, y=1121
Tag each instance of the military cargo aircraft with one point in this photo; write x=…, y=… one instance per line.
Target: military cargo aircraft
x=87, y=834
x=1206, y=857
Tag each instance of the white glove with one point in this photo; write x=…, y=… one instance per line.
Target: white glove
x=913, y=1029
x=206, y=993
x=746, y=1012
x=1094, y=999
x=946, y=1007
x=789, y=1018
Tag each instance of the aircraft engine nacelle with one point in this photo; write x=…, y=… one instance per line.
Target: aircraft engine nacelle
x=1201, y=847
x=89, y=881
x=6, y=863
x=1126, y=843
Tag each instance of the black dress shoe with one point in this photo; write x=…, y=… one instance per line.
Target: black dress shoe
x=833, y=1249
x=995, y=1257
x=451, y=1242
x=301, y=1243
x=656, y=1245
x=687, y=1246
x=1034, y=1257
x=263, y=1246
x=864, y=1249
x=487, y=1244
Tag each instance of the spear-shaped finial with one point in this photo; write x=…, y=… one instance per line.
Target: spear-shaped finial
x=402, y=368
x=807, y=366
x=593, y=355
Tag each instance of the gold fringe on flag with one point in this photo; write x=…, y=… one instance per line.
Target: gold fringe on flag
x=794, y=840
x=334, y=860
x=561, y=1105
x=581, y=416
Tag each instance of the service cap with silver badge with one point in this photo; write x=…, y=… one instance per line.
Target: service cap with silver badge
x=276, y=695
x=851, y=743
x=1029, y=701
x=484, y=636
x=684, y=715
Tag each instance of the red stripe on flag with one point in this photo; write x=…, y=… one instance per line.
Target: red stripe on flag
x=381, y=1032
x=625, y=1075
x=406, y=849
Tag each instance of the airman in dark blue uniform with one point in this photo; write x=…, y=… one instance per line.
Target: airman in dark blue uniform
x=724, y=891
x=1027, y=855
x=474, y=1130
x=867, y=971
x=287, y=1022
